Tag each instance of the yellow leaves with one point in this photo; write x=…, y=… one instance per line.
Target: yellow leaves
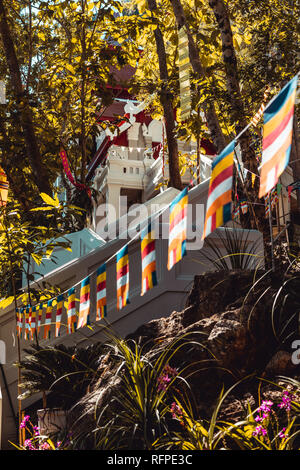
x=249, y=429
x=70, y=68
x=237, y=41
x=37, y=258
x=41, y=36
x=142, y=5
x=90, y=6
x=6, y=302
x=48, y=200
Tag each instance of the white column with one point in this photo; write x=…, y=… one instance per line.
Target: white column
x=113, y=202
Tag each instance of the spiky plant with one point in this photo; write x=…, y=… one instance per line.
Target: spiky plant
x=64, y=372
x=235, y=251
x=137, y=410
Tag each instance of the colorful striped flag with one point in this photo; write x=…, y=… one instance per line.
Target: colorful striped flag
x=101, y=310
x=40, y=313
x=149, y=278
x=3, y=188
x=244, y=207
x=218, y=208
x=122, y=278
x=19, y=313
x=48, y=319
x=33, y=322
x=84, y=307
x=177, y=228
x=273, y=197
x=236, y=213
x=72, y=317
x=27, y=324
x=59, y=308
x=277, y=137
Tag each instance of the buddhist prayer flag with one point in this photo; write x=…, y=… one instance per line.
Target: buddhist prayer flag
x=19, y=313
x=33, y=322
x=40, y=313
x=101, y=310
x=218, y=209
x=48, y=318
x=72, y=318
x=27, y=324
x=177, y=228
x=149, y=278
x=272, y=198
x=84, y=307
x=122, y=278
x=277, y=137
x=244, y=207
x=3, y=188
x=59, y=308
x=236, y=212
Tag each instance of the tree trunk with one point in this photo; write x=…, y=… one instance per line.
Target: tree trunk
x=166, y=99
x=295, y=156
x=17, y=182
x=209, y=108
x=39, y=171
x=238, y=113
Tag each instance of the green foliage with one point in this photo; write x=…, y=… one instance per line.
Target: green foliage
x=25, y=238
x=284, y=311
x=137, y=414
x=64, y=372
x=240, y=252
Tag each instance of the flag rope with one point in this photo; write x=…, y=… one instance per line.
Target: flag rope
x=152, y=217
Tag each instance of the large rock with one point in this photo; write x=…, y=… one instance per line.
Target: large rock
x=280, y=364
x=230, y=335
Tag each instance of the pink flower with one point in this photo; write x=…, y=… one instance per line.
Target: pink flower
x=24, y=421
x=28, y=445
x=265, y=408
x=286, y=401
x=175, y=410
x=165, y=378
x=45, y=446
x=282, y=434
x=259, y=430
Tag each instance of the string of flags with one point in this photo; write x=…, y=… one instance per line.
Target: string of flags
x=79, y=318
x=66, y=166
x=277, y=136
x=271, y=199
x=293, y=187
x=218, y=209
x=276, y=145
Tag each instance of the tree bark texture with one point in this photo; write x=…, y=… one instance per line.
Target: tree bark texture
x=209, y=108
x=239, y=117
x=166, y=99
